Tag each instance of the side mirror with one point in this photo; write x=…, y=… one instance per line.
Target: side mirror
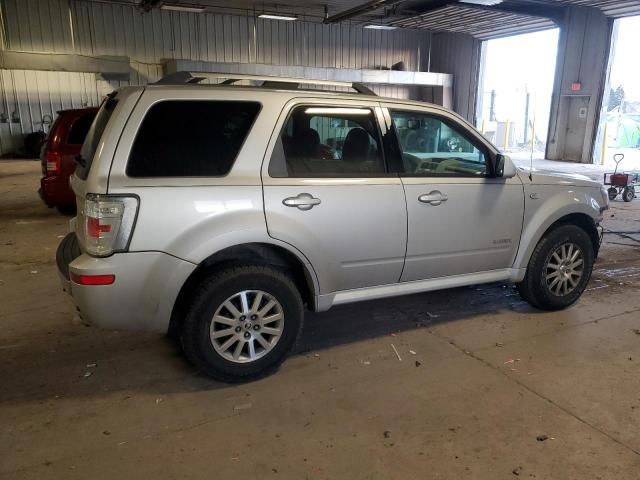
x=505, y=167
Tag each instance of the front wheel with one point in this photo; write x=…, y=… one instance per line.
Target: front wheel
x=612, y=192
x=242, y=322
x=559, y=269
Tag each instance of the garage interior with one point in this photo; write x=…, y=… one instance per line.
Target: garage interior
x=463, y=383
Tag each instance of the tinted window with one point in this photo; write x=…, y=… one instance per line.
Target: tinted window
x=433, y=146
x=191, y=138
x=80, y=128
x=94, y=135
x=320, y=141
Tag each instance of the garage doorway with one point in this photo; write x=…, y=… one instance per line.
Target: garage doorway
x=619, y=128
x=514, y=92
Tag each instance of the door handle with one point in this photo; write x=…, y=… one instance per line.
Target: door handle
x=434, y=198
x=303, y=201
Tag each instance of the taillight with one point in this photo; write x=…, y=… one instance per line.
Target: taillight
x=54, y=161
x=107, y=223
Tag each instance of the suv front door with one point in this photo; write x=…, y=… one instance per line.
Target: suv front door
x=327, y=192
x=461, y=218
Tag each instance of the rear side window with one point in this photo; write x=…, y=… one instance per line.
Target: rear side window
x=80, y=128
x=91, y=141
x=191, y=138
x=328, y=141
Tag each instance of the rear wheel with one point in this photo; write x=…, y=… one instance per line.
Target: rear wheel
x=242, y=322
x=559, y=269
x=628, y=194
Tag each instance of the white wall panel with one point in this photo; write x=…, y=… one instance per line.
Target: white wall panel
x=99, y=28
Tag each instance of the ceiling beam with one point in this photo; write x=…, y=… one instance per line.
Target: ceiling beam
x=421, y=7
x=531, y=8
x=524, y=7
x=360, y=9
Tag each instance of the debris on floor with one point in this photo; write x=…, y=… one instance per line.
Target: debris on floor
x=542, y=438
x=243, y=406
x=636, y=331
x=87, y=374
x=418, y=363
x=396, y=352
x=517, y=471
x=386, y=434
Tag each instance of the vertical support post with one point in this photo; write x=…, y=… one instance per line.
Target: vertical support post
x=533, y=134
x=604, y=143
x=492, y=107
x=506, y=134
x=526, y=117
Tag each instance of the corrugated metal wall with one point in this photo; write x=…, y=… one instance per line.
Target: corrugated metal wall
x=94, y=28
x=459, y=54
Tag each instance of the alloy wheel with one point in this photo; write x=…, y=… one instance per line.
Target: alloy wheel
x=564, y=269
x=247, y=326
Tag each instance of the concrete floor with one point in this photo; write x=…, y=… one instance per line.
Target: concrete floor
x=482, y=376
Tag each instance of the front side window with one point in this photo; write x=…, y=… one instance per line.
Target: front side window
x=191, y=138
x=432, y=146
x=319, y=141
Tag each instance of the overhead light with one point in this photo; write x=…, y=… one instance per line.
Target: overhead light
x=486, y=3
x=182, y=8
x=274, y=16
x=380, y=27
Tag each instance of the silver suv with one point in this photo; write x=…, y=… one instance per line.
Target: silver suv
x=217, y=213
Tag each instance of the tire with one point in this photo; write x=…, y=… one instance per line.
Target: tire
x=628, y=194
x=612, y=192
x=221, y=360
x=539, y=290
x=67, y=210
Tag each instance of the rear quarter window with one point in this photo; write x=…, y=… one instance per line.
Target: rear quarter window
x=191, y=138
x=92, y=139
x=80, y=128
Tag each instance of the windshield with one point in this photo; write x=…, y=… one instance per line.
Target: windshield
x=92, y=140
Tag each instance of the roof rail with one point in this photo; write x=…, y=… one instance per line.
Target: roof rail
x=178, y=78
x=267, y=81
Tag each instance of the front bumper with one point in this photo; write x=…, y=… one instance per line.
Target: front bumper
x=142, y=296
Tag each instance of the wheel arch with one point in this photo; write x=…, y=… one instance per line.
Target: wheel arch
x=580, y=219
x=254, y=253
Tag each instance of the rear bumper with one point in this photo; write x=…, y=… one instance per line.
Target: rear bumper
x=56, y=191
x=142, y=296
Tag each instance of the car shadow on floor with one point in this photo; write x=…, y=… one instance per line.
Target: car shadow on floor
x=359, y=321
x=77, y=361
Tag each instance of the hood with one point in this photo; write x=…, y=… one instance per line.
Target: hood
x=548, y=177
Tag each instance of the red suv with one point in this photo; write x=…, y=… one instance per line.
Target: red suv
x=58, y=156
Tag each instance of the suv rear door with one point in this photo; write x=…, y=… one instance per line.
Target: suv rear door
x=328, y=192
x=461, y=219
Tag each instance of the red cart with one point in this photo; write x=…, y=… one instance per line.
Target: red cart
x=621, y=183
